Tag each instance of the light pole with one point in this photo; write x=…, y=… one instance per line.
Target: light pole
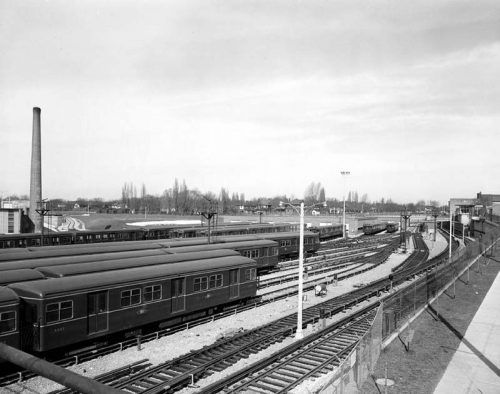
x=344, y=174
x=451, y=229
x=299, y=334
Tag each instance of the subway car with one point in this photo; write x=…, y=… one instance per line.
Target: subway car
x=60, y=312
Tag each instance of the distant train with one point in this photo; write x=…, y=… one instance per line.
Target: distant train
x=392, y=227
x=287, y=246
x=43, y=315
x=327, y=232
x=138, y=234
x=374, y=228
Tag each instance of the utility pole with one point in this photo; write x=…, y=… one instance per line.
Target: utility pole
x=210, y=213
x=435, y=215
x=406, y=216
x=344, y=174
x=42, y=211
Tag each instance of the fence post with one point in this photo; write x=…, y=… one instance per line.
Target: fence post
x=385, y=378
x=414, y=297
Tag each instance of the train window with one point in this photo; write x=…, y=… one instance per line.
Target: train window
x=285, y=242
x=274, y=251
x=130, y=297
x=200, y=284
x=215, y=281
x=152, y=293
x=252, y=254
x=250, y=274
x=58, y=311
x=7, y=321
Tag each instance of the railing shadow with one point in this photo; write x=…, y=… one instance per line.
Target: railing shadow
x=459, y=335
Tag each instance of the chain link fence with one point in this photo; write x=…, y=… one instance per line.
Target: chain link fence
x=399, y=308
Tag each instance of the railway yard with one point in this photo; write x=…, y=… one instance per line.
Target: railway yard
x=249, y=197
x=238, y=302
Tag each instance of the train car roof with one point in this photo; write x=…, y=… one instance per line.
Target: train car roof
x=254, y=243
x=7, y=295
x=59, y=271
x=99, y=248
x=70, y=250
x=19, y=275
x=374, y=224
x=85, y=258
x=133, y=276
x=325, y=226
x=249, y=226
x=115, y=247
x=287, y=234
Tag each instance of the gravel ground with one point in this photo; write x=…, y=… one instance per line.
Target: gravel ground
x=180, y=343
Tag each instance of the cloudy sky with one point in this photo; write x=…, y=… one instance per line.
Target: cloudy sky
x=260, y=97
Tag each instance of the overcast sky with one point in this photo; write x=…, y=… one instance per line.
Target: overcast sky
x=258, y=97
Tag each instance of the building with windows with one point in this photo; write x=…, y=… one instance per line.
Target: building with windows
x=10, y=220
x=490, y=204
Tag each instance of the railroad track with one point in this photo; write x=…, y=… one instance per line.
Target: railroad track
x=323, y=265
x=94, y=353
x=370, y=263
x=313, y=356
x=419, y=254
x=114, y=376
x=329, y=257
x=187, y=369
x=169, y=380
x=265, y=283
x=340, y=304
x=177, y=373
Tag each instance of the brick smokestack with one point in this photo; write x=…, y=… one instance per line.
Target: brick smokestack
x=36, y=172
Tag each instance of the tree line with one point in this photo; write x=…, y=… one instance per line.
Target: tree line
x=182, y=200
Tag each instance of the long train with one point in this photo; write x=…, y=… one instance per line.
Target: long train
x=39, y=316
x=288, y=246
x=155, y=233
x=87, y=297
x=264, y=252
x=26, y=240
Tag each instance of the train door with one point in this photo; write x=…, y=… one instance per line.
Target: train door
x=178, y=294
x=30, y=327
x=97, y=316
x=234, y=289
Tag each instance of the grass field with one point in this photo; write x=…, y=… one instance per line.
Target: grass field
x=434, y=342
x=99, y=221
